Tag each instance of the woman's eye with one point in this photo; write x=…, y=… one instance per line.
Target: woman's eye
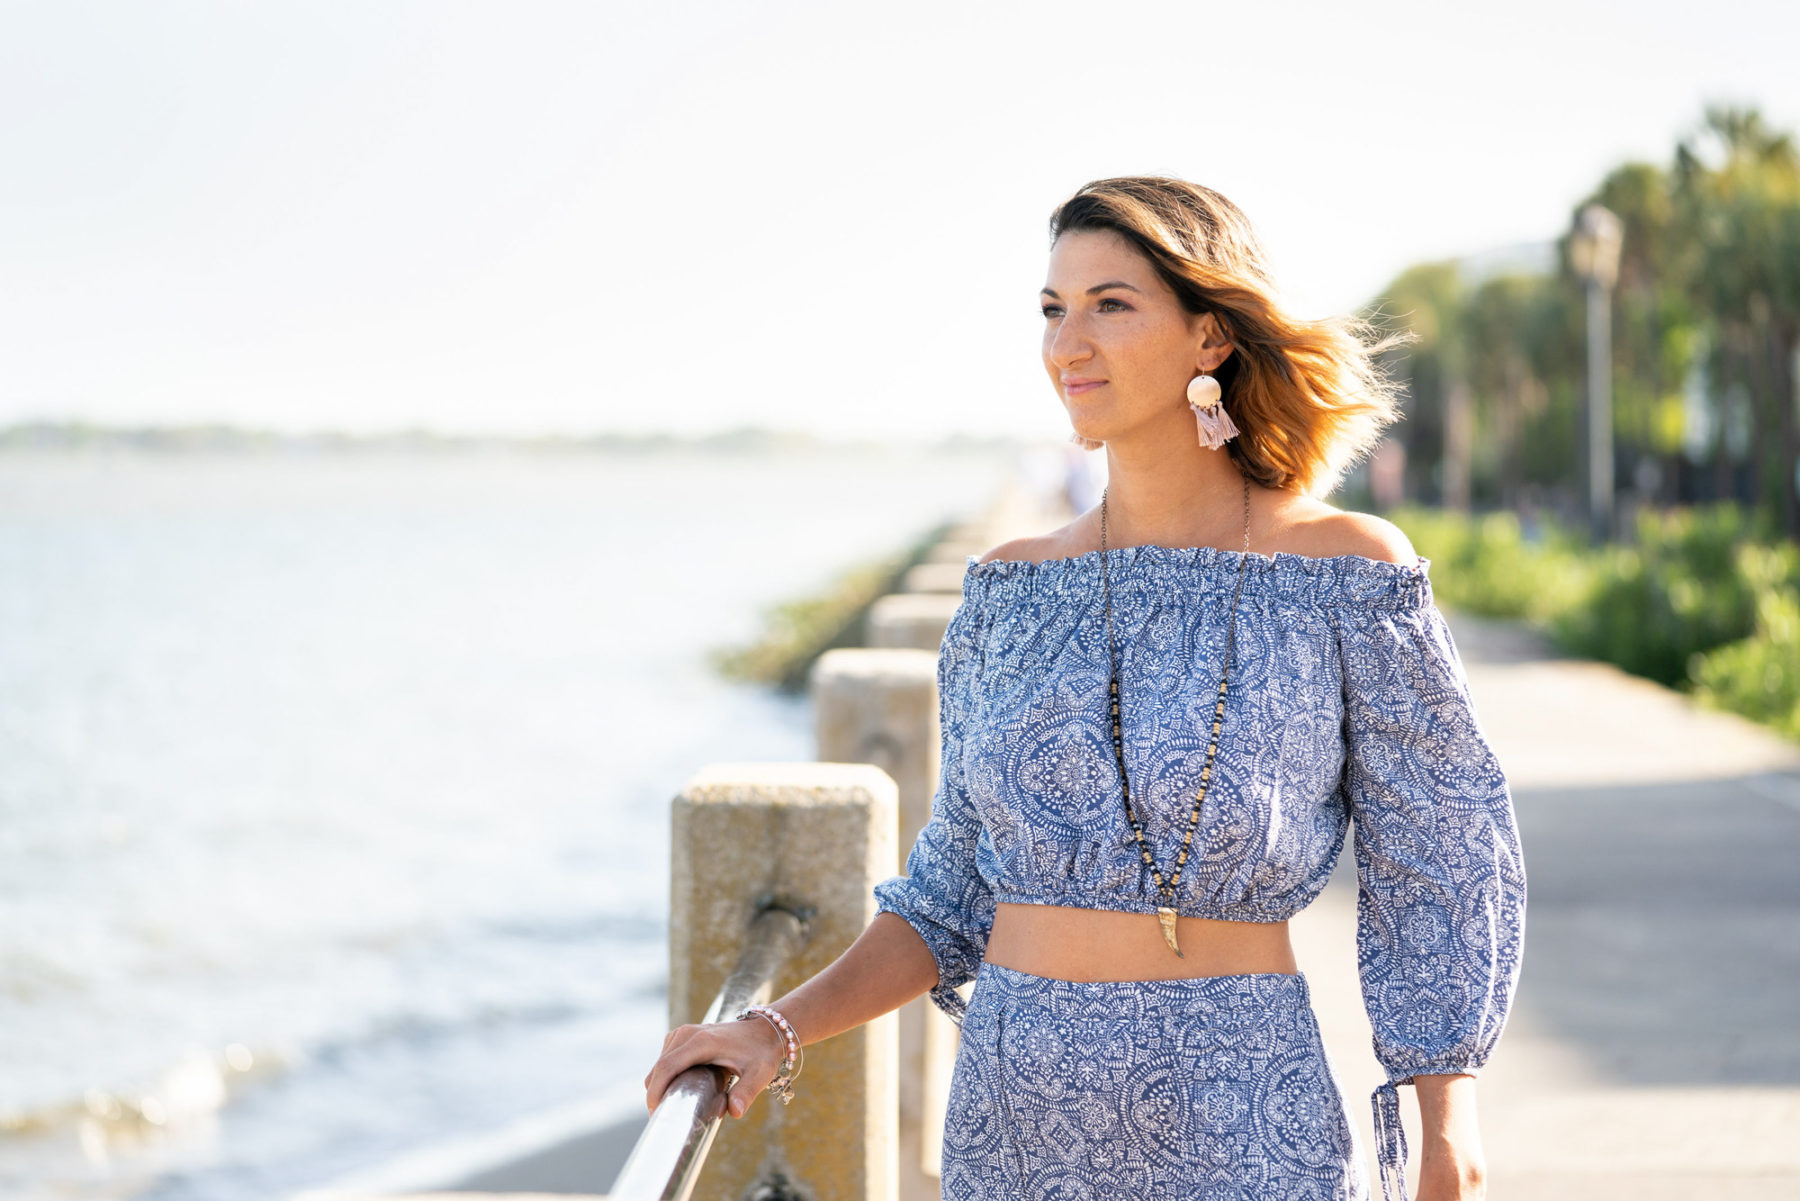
x=1055, y=310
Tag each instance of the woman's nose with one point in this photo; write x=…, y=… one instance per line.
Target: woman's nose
x=1067, y=343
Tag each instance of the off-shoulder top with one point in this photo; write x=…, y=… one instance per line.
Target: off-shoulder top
x=1347, y=705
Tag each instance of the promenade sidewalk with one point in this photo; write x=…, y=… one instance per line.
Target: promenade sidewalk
x=1653, y=1052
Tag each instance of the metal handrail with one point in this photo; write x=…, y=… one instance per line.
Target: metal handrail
x=665, y=1164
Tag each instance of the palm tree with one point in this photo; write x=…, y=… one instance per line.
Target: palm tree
x=1742, y=212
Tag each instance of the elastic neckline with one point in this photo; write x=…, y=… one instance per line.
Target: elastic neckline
x=1206, y=571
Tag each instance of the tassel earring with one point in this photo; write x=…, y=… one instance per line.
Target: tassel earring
x=1207, y=400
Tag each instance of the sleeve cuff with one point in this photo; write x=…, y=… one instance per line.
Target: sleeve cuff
x=1437, y=1068
x=951, y=1002
x=1390, y=1136
x=948, y=952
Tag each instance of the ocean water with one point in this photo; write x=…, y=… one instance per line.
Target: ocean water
x=334, y=787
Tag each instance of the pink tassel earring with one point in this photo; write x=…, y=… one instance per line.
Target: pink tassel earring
x=1206, y=398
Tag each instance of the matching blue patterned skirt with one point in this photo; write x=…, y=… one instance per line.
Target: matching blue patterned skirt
x=1216, y=1087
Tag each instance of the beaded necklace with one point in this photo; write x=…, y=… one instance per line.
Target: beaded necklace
x=1165, y=913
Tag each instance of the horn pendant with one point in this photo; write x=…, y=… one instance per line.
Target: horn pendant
x=1167, y=917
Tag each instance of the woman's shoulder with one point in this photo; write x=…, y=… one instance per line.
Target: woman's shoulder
x=1036, y=548
x=1322, y=531
x=1067, y=542
x=1371, y=561
x=1297, y=525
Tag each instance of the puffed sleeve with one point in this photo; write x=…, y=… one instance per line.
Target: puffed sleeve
x=1440, y=912
x=942, y=895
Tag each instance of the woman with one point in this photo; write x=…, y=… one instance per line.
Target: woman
x=1159, y=723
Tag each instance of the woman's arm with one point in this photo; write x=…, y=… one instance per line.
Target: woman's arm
x=929, y=931
x=1452, y=1166
x=887, y=966
x=1441, y=875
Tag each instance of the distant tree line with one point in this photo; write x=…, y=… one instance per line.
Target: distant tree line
x=220, y=437
x=1705, y=347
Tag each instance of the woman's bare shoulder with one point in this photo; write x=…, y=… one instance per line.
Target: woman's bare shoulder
x=1295, y=524
x=1324, y=531
x=1057, y=544
x=1031, y=550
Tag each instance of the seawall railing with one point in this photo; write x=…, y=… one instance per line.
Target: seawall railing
x=772, y=875
x=665, y=1164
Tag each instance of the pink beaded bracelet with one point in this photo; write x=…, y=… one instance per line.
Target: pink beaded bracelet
x=782, y=1085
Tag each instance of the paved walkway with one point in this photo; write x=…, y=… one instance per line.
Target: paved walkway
x=1654, y=1049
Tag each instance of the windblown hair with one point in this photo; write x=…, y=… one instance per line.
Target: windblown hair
x=1309, y=398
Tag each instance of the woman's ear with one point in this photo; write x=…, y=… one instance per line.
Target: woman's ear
x=1211, y=348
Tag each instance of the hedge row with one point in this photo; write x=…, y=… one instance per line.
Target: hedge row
x=1705, y=600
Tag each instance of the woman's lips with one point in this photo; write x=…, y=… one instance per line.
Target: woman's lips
x=1077, y=388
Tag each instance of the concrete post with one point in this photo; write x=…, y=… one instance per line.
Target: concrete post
x=914, y=620
x=816, y=837
x=881, y=707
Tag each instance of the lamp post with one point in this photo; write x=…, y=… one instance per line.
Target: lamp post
x=1594, y=254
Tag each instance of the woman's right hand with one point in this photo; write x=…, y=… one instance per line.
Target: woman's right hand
x=751, y=1049
x=888, y=965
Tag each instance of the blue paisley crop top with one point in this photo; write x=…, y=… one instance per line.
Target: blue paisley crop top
x=1347, y=704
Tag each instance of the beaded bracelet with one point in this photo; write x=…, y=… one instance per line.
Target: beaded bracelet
x=782, y=1085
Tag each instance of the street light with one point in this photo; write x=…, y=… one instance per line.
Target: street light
x=1594, y=254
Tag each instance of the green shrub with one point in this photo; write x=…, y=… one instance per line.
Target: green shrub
x=1707, y=600
x=795, y=633
x=1759, y=676
x=1675, y=594
x=1487, y=565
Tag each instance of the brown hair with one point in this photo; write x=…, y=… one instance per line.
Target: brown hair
x=1309, y=397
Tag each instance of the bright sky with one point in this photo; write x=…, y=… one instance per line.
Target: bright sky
x=693, y=214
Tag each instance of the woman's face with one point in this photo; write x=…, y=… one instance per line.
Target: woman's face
x=1119, y=347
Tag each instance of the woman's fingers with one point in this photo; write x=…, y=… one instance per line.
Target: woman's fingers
x=762, y=1063
x=682, y=1049
x=688, y=1046
x=729, y=1045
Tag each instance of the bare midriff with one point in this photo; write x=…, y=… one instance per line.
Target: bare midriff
x=1068, y=943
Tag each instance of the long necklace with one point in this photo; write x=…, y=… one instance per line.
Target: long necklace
x=1165, y=913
